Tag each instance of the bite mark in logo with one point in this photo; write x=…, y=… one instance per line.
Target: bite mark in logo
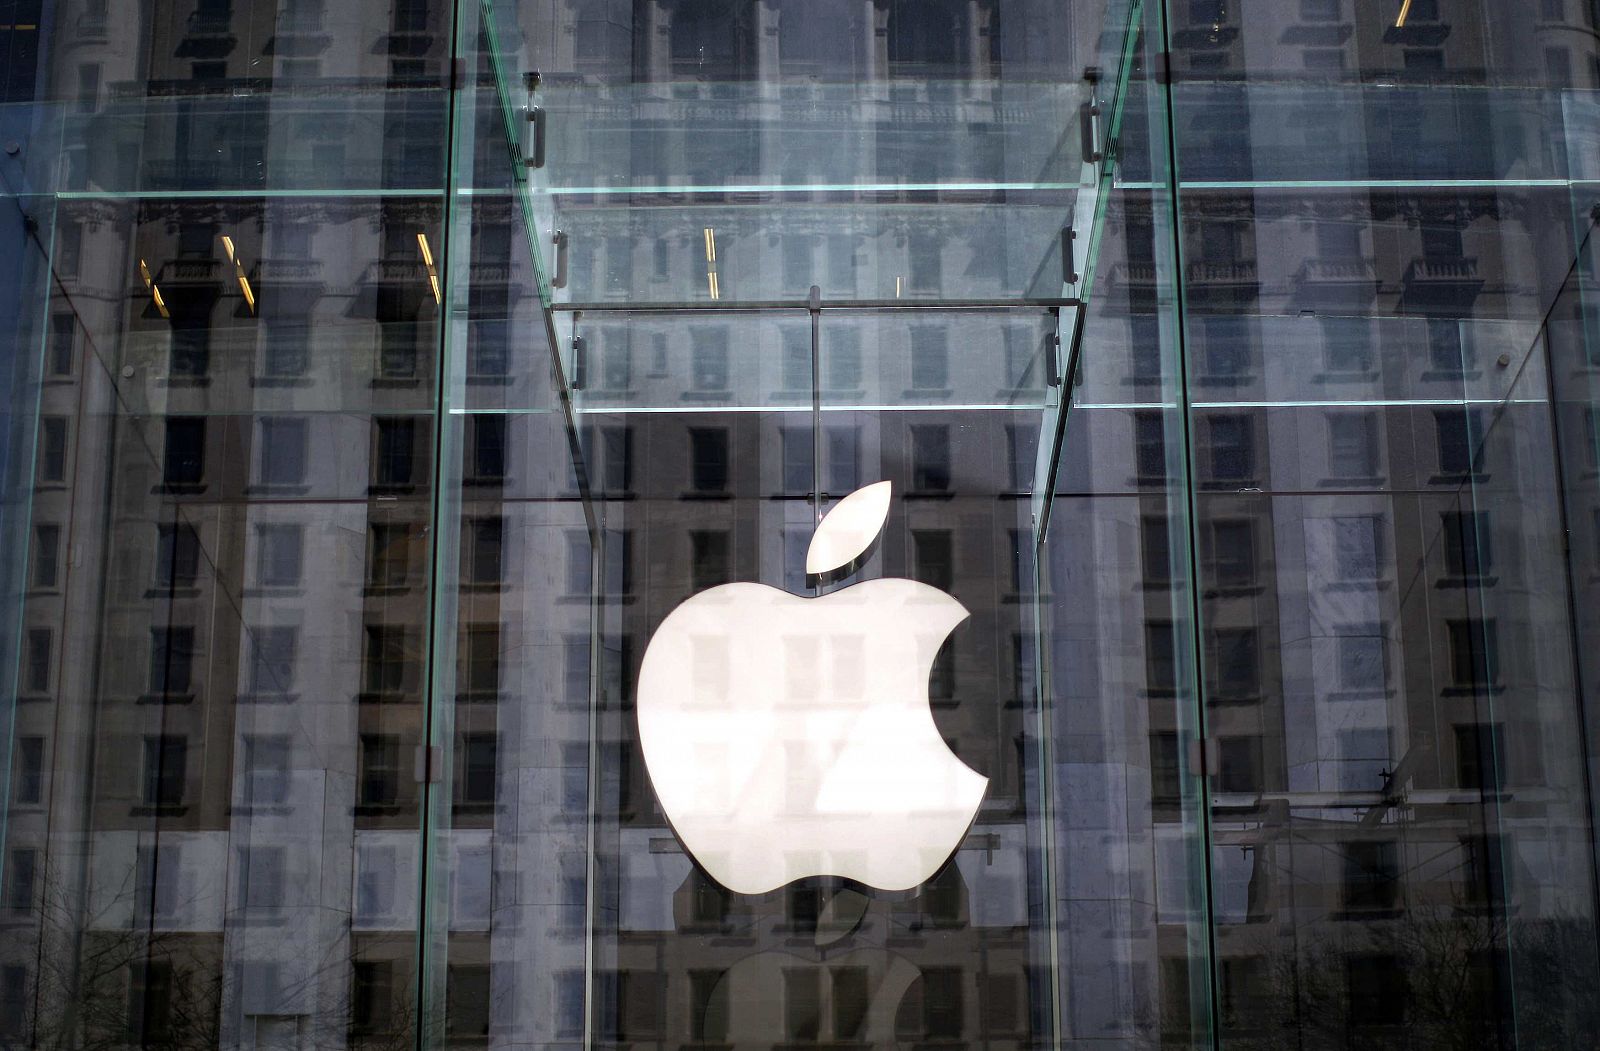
x=789, y=736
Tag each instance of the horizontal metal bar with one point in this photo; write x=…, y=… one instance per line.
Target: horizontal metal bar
x=802, y=306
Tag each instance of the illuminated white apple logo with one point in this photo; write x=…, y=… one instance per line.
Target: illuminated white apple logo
x=789, y=737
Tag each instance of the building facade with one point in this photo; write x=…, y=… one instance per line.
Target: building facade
x=381, y=374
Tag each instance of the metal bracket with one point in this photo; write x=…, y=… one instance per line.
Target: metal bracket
x=534, y=158
x=1089, y=129
x=1069, y=264
x=580, y=356
x=559, y=278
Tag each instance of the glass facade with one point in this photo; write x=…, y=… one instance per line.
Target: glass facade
x=1235, y=367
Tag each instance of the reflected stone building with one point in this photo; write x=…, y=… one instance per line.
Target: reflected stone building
x=355, y=456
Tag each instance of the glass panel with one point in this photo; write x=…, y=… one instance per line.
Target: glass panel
x=1378, y=245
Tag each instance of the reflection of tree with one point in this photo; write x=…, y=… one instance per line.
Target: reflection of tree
x=104, y=984
x=1436, y=981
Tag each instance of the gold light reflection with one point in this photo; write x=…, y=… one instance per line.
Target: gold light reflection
x=155, y=292
x=427, y=261
x=712, y=284
x=239, y=274
x=1405, y=10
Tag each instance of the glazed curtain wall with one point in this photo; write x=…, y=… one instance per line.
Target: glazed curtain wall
x=353, y=461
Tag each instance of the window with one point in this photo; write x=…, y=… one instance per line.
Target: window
x=1458, y=431
x=379, y=784
x=580, y=562
x=52, y=453
x=708, y=459
x=1352, y=445
x=1149, y=446
x=930, y=357
x=930, y=458
x=36, y=660
x=1371, y=878
x=171, y=660
x=390, y=659
x=616, y=360
x=1207, y=12
x=1558, y=67
x=1227, y=349
x=1478, y=756
x=1464, y=535
x=389, y=554
x=262, y=877
x=467, y=990
x=842, y=358
x=285, y=335
x=476, y=783
x=708, y=558
x=1440, y=240
x=1166, y=777
x=485, y=540
x=1446, y=353
x=802, y=1004
x=177, y=556
x=279, y=547
x=796, y=448
x=272, y=658
x=22, y=870
x=1360, y=652
x=486, y=449
x=46, y=571
x=282, y=459
x=1229, y=549
x=709, y=360
x=611, y=458
x=183, y=459
x=1160, y=656
x=371, y=996
x=1553, y=10
x=69, y=248
x=933, y=557
x=1379, y=989
x=480, y=659
x=166, y=769
x=394, y=451
x=708, y=1006
x=1474, y=652
x=63, y=344
x=264, y=769
x=29, y=764
x=1234, y=664
x=411, y=16
x=1231, y=442
x=1346, y=346
x=1239, y=764
x=1319, y=10
x=1155, y=550
x=1357, y=548
x=150, y=1002
x=926, y=257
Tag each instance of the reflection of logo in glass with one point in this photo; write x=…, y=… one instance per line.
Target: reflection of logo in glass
x=789, y=737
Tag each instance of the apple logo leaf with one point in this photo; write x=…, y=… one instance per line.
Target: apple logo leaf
x=849, y=529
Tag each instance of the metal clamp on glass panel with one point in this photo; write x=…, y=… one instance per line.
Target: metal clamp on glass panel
x=579, y=361
x=533, y=152
x=1089, y=129
x=558, y=278
x=1069, y=262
